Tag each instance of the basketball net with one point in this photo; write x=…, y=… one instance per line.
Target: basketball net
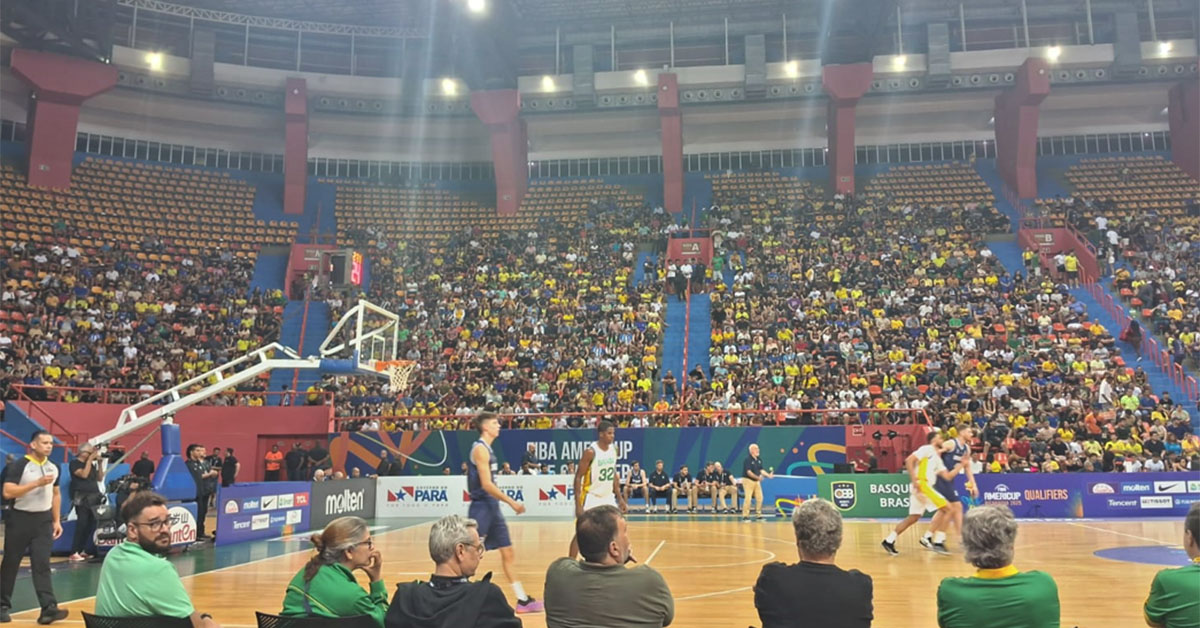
x=398, y=372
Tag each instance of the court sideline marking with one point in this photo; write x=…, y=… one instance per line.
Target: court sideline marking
x=1132, y=536
x=228, y=567
x=655, y=552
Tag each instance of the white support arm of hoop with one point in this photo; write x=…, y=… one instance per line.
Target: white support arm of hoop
x=227, y=375
x=356, y=313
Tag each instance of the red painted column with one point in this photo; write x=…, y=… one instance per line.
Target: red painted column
x=844, y=84
x=1183, y=114
x=60, y=85
x=295, y=146
x=500, y=110
x=1016, y=114
x=670, y=118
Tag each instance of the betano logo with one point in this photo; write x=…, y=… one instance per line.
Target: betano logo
x=557, y=491
x=415, y=494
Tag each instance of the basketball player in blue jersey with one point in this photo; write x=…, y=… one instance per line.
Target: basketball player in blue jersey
x=485, y=505
x=596, y=482
x=956, y=456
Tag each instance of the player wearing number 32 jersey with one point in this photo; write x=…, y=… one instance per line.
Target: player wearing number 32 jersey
x=596, y=476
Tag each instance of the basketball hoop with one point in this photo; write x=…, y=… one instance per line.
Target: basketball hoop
x=398, y=372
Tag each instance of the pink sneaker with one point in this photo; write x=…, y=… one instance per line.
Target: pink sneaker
x=78, y=558
x=530, y=606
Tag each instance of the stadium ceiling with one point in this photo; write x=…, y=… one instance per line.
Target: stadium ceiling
x=78, y=29
x=358, y=12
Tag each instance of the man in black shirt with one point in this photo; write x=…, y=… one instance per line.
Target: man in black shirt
x=723, y=487
x=683, y=483
x=637, y=482
x=660, y=487
x=202, y=473
x=85, y=494
x=706, y=486
x=294, y=461
x=144, y=467
x=814, y=588
x=318, y=458
x=229, y=468
x=752, y=477
x=384, y=468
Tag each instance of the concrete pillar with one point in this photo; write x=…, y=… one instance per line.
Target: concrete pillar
x=670, y=119
x=60, y=85
x=500, y=110
x=844, y=84
x=1016, y=114
x=1183, y=114
x=295, y=146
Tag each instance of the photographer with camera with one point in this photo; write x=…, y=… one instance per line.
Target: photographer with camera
x=85, y=495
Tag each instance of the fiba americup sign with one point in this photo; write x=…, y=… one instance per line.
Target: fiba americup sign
x=342, y=498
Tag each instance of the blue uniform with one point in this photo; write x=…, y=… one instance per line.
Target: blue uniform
x=950, y=459
x=484, y=508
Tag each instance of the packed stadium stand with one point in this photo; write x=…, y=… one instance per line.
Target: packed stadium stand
x=134, y=279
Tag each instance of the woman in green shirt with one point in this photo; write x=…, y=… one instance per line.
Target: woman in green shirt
x=326, y=587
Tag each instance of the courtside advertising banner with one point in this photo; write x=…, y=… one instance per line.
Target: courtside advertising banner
x=543, y=495
x=1028, y=495
x=874, y=495
x=420, y=496
x=262, y=510
x=341, y=498
x=1140, y=494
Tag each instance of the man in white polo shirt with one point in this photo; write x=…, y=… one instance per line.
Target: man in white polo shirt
x=31, y=483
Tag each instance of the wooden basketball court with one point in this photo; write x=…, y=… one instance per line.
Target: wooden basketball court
x=709, y=562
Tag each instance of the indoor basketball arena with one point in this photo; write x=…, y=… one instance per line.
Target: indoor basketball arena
x=597, y=314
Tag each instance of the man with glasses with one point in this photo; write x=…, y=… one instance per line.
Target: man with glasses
x=31, y=485
x=450, y=599
x=136, y=579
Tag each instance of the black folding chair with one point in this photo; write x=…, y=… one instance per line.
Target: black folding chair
x=274, y=621
x=96, y=621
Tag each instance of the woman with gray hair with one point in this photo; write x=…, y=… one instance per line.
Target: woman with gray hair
x=814, y=592
x=449, y=599
x=998, y=595
x=326, y=586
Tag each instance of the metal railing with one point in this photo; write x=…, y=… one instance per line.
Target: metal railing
x=665, y=418
x=123, y=396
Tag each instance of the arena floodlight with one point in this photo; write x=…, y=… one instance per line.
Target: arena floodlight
x=449, y=87
x=477, y=6
x=641, y=77
x=548, y=83
x=1164, y=48
x=154, y=60
x=792, y=68
x=1053, y=53
x=899, y=61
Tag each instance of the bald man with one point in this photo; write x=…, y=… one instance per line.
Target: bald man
x=752, y=476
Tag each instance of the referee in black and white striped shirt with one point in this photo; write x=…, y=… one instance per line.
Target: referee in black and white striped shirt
x=31, y=483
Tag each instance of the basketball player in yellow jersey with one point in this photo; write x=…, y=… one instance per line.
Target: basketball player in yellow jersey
x=924, y=467
x=596, y=477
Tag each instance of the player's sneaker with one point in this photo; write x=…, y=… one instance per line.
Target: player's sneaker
x=78, y=557
x=530, y=605
x=889, y=547
x=927, y=542
x=49, y=616
x=940, y=548
x=745, y=519
x=761, y=518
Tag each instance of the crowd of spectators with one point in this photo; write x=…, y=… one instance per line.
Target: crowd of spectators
x=549, y=320
x=105, y=318
x=901, y=308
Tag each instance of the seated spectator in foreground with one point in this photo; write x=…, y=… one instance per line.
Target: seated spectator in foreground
x=1173, y=602
x=136, y=580
x=998, y=595
x=450, y=599
x=326, y=586
x=599, y=592
x=815, y=591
